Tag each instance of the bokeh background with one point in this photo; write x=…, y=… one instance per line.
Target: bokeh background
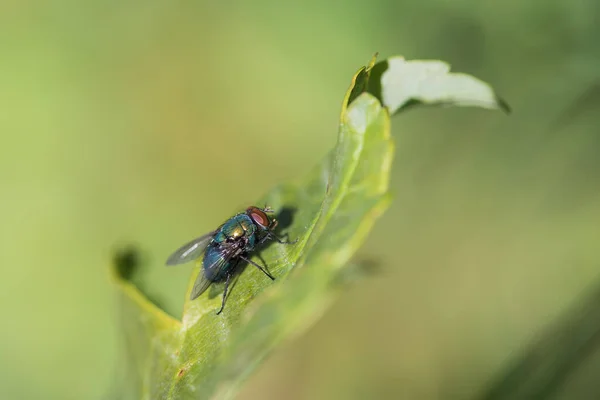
x=150, y=122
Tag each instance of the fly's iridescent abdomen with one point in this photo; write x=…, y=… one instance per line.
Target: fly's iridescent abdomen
x=212, y=269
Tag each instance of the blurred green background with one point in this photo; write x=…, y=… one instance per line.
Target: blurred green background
x=150, y=122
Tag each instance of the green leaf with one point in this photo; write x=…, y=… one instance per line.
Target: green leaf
x=399, y=84
x=331, y=211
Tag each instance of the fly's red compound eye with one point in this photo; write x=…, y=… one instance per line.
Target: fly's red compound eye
x=259, y=217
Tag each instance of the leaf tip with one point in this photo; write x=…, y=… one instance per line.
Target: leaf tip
x=373, y=61
x=503, y=105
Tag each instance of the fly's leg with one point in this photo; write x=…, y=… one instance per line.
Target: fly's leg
x=267, y=209
x=258, y=266
x=279, y=240
x=276, y=238
x=262, y=260
x=262, y=240
x=224, y=293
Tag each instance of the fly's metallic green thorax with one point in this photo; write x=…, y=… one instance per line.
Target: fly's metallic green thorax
x=224, y=248
x=235, y=228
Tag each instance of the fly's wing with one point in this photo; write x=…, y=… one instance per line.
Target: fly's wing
x=200, y=285
x=190, y=251
x=215, y=268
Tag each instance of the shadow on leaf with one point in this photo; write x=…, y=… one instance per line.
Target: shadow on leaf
x=131, y=265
